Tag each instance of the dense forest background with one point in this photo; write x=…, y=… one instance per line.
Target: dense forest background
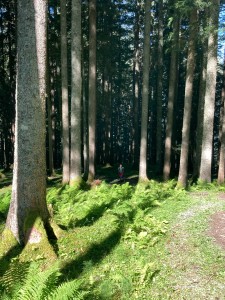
x=120, y=33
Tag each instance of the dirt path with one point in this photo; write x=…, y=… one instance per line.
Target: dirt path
x=192, y=276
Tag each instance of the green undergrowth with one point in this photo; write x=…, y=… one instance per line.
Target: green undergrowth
x=122, y=241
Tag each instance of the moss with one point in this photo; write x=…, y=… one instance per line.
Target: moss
x=8, y=242
x=37, y=245
x=2, y=176
x=78, y=183
x=56, y=229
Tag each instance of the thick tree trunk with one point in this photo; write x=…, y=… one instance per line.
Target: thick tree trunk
x=199, y=129
x=183, y=170
x=171, y=99
x=209, y=107
x=29, y=177
x=145, y=94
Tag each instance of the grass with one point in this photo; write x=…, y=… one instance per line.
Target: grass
x=123, y=241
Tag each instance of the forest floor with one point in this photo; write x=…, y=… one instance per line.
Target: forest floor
x=183, y=259
x=195, y=260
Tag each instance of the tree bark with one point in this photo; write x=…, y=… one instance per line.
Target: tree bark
x=183, y=170
x=171, y=99
x=221, y=168
x=136, y=75
x=29, y=177
x=76, y=93
x=92, y=91
x=159, y=89
x=145, y=94
x=65, y=101
x=209, y=107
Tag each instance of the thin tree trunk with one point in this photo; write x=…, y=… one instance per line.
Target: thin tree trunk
x=65, y=101
x=145, y=94
x=92, y=90
x=159, y=88
x=136, y=72
x=221, y=169
x=76, y=93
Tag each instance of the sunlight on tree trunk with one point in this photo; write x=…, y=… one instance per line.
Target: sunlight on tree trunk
x=76, y=94
x=29, y=177
x=183, y=171
x=209, y=108
x=145, y=94
x=65, y=100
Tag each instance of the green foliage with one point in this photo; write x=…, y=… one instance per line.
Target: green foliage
x=116, y=254
x=13, y=276
x=4, y=202
x=145, y=230
x=207, y=186
x=74, y=207
x=32, y=283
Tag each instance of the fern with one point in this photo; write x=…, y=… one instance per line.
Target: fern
x=13, y=277
x=67, y=291
x=38, y=285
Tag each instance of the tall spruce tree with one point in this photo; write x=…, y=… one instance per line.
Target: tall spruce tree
x=183, y=170
x=65, y=100
x=145, y=94
x=76, y=93
x=92, y=91
x=209, y=106
x=29, y=177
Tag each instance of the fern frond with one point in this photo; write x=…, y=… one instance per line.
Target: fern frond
x=14, y=276
x=67, y=291
x=38, y=284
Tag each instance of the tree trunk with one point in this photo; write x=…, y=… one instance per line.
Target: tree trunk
x=76, y=93
x=200, y=115
x=221, y=169
x=159, y=89
x=209, y=107
x=29, y=177
x=136, y=74
x=171, y=99
x=183, y=170
x=65, y=102
x=145, y=94
x=92, y=90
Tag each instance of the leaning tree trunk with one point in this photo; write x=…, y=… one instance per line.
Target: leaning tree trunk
x=29, y=177
x=145, y=93
x=209, y=107
x=183, y=170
